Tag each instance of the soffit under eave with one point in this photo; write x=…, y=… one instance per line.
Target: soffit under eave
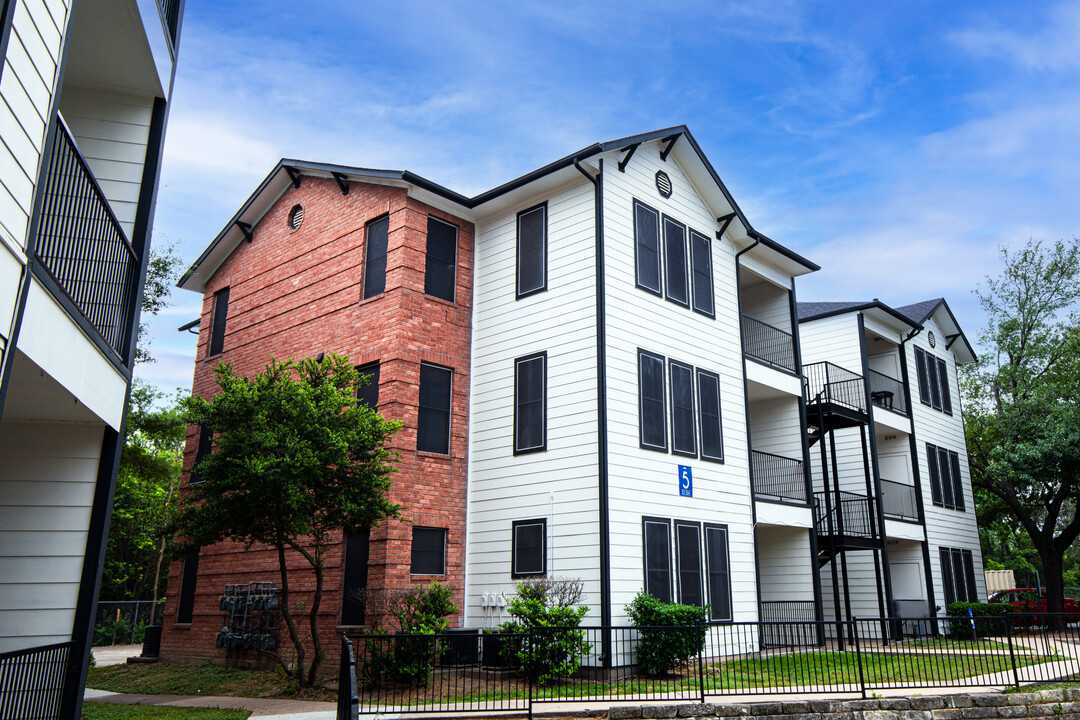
x=961, y=348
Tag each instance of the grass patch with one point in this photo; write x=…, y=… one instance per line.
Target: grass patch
x=1069, y=682
x=162, y=678
x=118, y=711
x=973, y=645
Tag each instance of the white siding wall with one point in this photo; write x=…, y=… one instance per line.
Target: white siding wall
x=774, y=427
x=26, y=87
x=786, y=564
x=47, y=477
x=765, y=302
x=561, y=483
x=644, y=482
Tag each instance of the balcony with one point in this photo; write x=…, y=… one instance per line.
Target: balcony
x=844, y=516
x=888, y=393
x=769, y=344
x=82, y=246
x=898, y=501
x=778, y=478
x=170, y=13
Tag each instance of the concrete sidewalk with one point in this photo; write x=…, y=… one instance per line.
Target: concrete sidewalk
x=259, y=707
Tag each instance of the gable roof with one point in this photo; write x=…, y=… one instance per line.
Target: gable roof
x=818, y=310
x=279, y=179
x=921, y=310
x=942, y=313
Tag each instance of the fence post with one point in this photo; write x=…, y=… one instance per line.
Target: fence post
x=348, y=705
x=1012, y=652
x=858, y=654
x=702, y=627
x=529, y=669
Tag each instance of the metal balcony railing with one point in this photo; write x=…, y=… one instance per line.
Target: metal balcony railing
x=851, y=514
x=170, y=11
x=81, y=244
x=887, y=392
x=768, y=344
x=825, y=382
x=898, y=500
x=776, y=476
x=32, y=681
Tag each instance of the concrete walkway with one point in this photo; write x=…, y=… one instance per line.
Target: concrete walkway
x=115, y=654
x=259, y=707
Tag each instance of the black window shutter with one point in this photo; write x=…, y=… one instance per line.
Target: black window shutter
x=530, y=384
x=186, y=606
x=531, y=251
x=958, y=575
x=368, y=393
x=651, y=401
x=958, y=484
x=701, y=259
x=647, y=247
x=946, y=477
x=716, y=557
x=943, y=379
x=932, y=381
x=683, y=437
x=947, y=576
x=935, y=476
x=529, y=553
x=920, y=369
x=433, y=417
x=675, y=265
x=440, y=268
x=221, y=314
x=355, y=581
x=969, y=576
x=206, y=446
x=378, y=234
x=712, y=434
x=657, y=559
x=428, y=551
x=688, y=544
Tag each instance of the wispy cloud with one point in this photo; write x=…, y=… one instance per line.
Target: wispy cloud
x=1052, y=47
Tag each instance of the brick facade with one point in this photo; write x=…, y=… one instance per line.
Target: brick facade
x=295, y=293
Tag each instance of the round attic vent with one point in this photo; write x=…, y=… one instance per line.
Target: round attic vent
x=296, y=216
x=663, y=183
x=930, y=338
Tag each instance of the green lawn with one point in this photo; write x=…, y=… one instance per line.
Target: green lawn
x=162, y=678
x=117, y=711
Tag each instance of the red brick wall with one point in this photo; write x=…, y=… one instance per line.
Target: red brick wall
x=296, y=293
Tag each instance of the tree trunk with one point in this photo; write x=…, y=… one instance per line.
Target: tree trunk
x=313, y=620
x=298, y=643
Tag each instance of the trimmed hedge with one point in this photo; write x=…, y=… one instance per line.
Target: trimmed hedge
x=668, y=633
x=989, y=619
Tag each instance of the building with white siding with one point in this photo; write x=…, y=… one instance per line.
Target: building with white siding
x=84, y=93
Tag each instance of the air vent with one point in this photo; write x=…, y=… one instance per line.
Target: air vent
x=296, y=216
x=930, y=338
x=663, y=183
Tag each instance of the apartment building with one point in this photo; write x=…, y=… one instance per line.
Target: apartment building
x=84, y=98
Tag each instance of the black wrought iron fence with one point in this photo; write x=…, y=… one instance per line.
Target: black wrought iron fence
x=887, y=392
x=829, y=383
x=779, y=477
x=898, y=500
x=32, y=681
x=767, y=343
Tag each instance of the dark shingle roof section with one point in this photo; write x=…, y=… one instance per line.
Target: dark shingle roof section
x=918, y=312
x=810, y=310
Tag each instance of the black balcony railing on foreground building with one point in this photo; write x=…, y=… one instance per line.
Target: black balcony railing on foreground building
x=898, y=500
x=779, y=477
x=470, y=672
x=32, y=681
x=170, y=11
x=887, y=392
x=844, y=513
x=768, y=344
x=832, y=384
x=81, y=244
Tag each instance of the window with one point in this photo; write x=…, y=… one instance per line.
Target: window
x=647, y=247
x=440, y=268
x=688, y=556
x=428, y=551
x=702, y=276
x=530, y=411
x=433, y=418
x=221, y=314
x=529, y=553
x=958, y=575
x=375, y=265
x=946, y=486
x=368, y=393
x=933, y=374
x=531, y=251
x=206, y=446
x=657, y=544
x=716, y=561
x=683, y=437
x=653, y=419
x=186, y=606
x=712, y=435
x=356, y=570
x=675, y=265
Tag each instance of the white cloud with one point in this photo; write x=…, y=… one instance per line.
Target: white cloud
x=1051, y=48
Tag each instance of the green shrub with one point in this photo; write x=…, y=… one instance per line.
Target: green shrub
x=989, y=619
x=544, y=608
x=418, y=610
x=660, y=649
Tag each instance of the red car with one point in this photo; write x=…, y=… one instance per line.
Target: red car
x=1030, y=600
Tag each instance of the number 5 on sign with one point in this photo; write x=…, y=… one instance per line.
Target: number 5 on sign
x=686, y=481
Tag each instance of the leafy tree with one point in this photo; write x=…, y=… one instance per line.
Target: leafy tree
x=161, y=274
x=1022, y=416
x=296, y=458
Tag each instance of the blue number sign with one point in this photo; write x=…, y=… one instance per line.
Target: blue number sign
x=686, y=481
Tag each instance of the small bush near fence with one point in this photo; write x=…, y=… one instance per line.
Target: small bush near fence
x=990, y=619
x=660, y=648
x=420, y=613
x=545, y=606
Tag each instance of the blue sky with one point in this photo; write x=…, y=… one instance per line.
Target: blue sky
x=895, y=144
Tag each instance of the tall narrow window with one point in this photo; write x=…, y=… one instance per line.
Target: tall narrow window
x=206, y=446
x=657, y=545
x=947, y=486
x=529, y=545
x=947, y=584
x=440, y=270
x=716, y=561
x=675, y=265
x=943, y=380
x=924, y=381
x=935, y=475
x=355, y=582
x=186, y=607
x=701, y=261
x=647, y=247
x=433, y=418
x=712, y=435
x=368, y=392
x=688, y=555
x=532, y=251
x=683, y=437
x=428, y=551
x=958, y=484
x=530, y=411
x=221, y=314
x=653, y=420
x=378, y=232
